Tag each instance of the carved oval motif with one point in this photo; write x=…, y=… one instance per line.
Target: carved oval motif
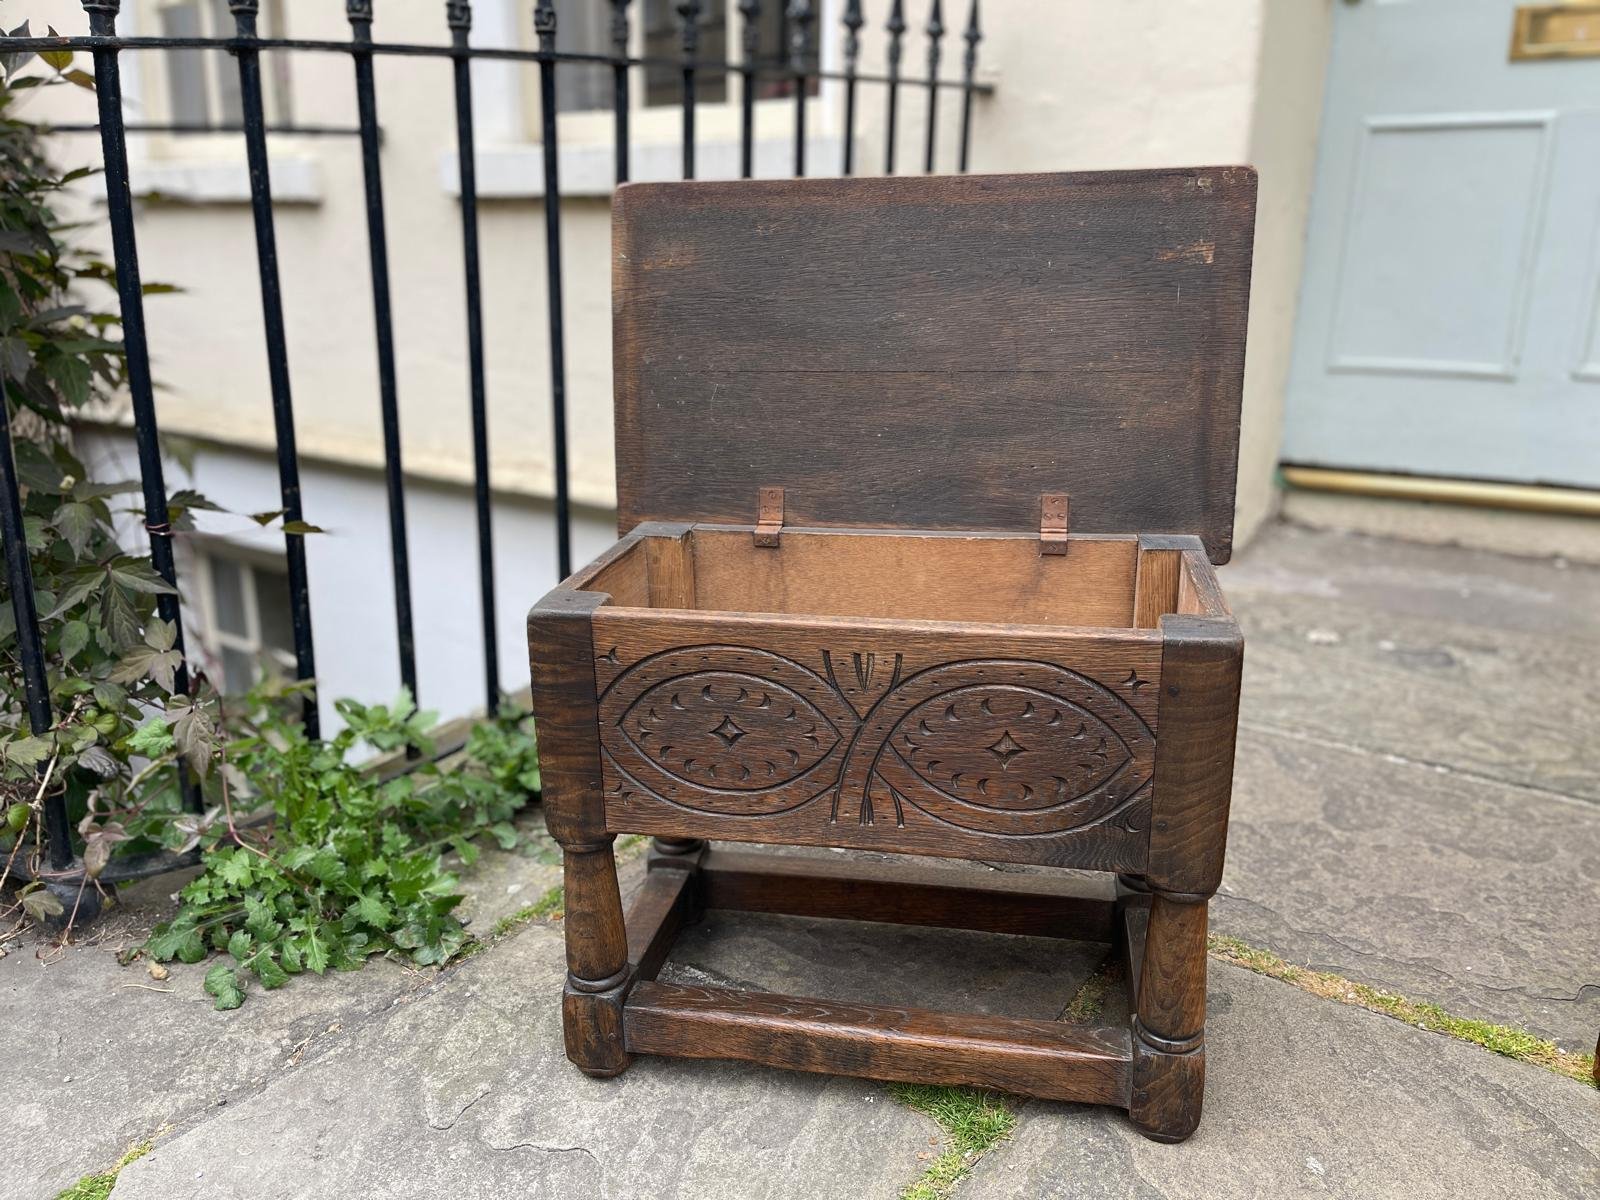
x=1003, y=747
x=723, y=729
x=1006, y=747
x=730, y=730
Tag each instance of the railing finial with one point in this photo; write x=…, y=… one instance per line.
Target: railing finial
x=750, y=10
x=358, y=12
x=245, y=13
x=972, y=37
x=689, y=16
x=619, y=28
x=801, y=16
x=458, y=14
x=544, y=25
x=896, y=28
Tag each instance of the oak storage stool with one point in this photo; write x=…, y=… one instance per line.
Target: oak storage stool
x=920, y=483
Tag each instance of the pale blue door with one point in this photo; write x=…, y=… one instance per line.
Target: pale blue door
x=1449, y=319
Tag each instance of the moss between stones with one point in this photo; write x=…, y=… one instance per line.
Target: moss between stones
x=1501, y=1039
x=98, y=1187
x=973, y=1122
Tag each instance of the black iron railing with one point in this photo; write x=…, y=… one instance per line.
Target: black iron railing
x=791, y=64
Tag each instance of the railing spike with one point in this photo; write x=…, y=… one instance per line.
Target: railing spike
x=458, y=14
x=896, y=28
x=935, y=31
x=969, y=68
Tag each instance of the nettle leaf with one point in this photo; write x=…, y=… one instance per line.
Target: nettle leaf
x=176, y=939
x=312, y=943
x=372, y=911
x=266, y=968
x=222, y=981
x=234, y=868
x=240, y=944
x=506, y=834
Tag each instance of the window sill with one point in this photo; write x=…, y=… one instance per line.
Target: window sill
x=295, y=180
x=516, y=172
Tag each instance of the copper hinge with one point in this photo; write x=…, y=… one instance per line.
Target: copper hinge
x=769, y=516
x=1053, y=509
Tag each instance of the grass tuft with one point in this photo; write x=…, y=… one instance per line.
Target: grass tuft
x=1089, y=1001
x=98, y=1187
x=973, y=1122
x=1500, y=1039
x=550, y=906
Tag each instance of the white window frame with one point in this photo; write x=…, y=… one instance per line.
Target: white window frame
x=510, y=159
x=212, y=636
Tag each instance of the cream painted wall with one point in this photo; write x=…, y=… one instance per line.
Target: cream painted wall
x=1079, y=85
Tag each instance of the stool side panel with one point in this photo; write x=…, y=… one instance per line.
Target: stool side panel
x=1019, y=744
x=1201, y=663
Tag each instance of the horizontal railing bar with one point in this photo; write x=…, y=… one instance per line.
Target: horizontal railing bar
x=194, y=128
x=427, y=51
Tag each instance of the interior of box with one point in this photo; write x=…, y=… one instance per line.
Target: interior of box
x=1104, y=581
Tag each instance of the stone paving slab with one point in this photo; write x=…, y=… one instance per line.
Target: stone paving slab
x=1467, y=893
x=112, y=1055
x=1305, y=1097
x=1486, y=664
x=466, y=1092
x=1415, y=792
x=948, y=969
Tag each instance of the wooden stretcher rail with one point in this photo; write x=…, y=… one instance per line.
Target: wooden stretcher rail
x=1036, y=905
x=1037, y=1058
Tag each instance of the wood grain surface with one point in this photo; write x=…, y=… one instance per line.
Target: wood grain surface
x=935, y=353
x=1050, y=1059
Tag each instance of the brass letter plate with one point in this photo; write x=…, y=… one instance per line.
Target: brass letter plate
x=1555, y=31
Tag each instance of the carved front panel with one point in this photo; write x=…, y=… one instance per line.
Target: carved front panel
x=875, y=747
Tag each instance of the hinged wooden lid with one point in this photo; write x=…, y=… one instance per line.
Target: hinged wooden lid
x=935, y=353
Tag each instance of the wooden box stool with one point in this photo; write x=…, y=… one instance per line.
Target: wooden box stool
x=920, y=484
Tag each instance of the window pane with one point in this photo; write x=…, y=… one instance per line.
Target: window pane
x=227, y=589
x=663, y=38
x=238, y=671
x=272, y=603
x=186, y=77
x=773, y=51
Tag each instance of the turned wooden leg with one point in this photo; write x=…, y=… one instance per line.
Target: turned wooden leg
x=665, y=851
x=682, y=854
x=1169, y=1056
x=597, y=961
x=561, y=653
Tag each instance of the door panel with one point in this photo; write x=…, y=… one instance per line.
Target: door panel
x=1449, y=319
